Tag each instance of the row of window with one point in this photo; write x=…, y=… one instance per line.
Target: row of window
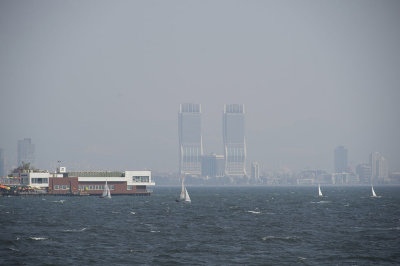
x=94, y=187
x=61, y=187
x=13, y=181
x=88, y=187
x=140, y=179
x=40, y=181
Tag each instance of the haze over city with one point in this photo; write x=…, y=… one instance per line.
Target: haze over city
x=97, y=84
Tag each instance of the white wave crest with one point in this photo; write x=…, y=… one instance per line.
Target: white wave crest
x=38, y=238
x=279, y=238
x=75, y=230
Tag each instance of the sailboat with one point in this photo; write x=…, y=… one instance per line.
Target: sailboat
x=106, y=192
x=373, y=192
x=184, y=197
x=319, y=191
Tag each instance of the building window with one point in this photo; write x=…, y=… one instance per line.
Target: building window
x=94, y=187
x=140, y=179
x=129, y=187
x=61, y=187
x=40, y=180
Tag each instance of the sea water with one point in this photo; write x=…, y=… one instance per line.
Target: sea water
x=221, y=226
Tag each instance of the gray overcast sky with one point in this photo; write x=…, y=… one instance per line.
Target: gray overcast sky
x=97, y=84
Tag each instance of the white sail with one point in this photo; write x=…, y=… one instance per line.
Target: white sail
x=319, y=191
x=187, y=198
x=106, y=192
x=182, y=196
x=373, y=191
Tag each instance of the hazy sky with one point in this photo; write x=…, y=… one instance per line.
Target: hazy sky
x=97, y=84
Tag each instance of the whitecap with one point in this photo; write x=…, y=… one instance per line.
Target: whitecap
x=385, y=228
x=255, y=212
x=279, y=238
x=154, y=231
x=38, y=238
x=133, y=212
x=75, y=230
x=320, y=202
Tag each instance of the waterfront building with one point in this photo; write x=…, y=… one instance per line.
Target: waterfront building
x=234, y=139
x=26, y=151
x=379, y=168
x=325, y=178
x=213, y=165
x=340, y=160
x=364, y=173
x=90, y=182
x=190, y=139
x=344, y=178
x=395, y=177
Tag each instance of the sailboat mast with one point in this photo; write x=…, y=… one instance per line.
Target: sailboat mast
x=182, y=196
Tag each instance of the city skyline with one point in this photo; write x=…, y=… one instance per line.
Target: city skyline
x=97, y=87
x=197, y=164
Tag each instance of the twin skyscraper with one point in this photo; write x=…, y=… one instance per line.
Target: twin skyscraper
x=192, y=160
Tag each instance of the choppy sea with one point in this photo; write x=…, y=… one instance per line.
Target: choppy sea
x=221, y=226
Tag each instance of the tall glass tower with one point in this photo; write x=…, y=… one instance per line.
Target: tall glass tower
x=2, y=164
x=190, y=139
x=26, y=151
x=340, y=160
x=234, y=140
x=379, y=167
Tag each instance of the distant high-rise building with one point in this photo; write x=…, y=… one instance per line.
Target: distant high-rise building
x=234, y=140
x=2, y=164
x=364, y=173
x=255, y=170
x=340, y=160
x=379, y=167
x=213, y=165
x=190, y=139
x=26, y=151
